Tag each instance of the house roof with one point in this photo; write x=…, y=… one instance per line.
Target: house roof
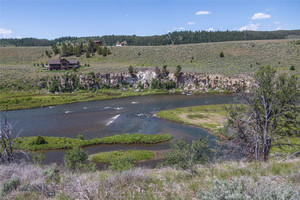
x=58, y=61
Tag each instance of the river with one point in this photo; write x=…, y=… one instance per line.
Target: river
x=110, y=117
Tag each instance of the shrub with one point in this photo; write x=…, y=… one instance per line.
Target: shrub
x=51, y=174
x=292, y=68
x=75, y=158
x=80, y=137
x=156, y=84
x=131, y=70
x=37, y=157
x=244, y=188
x=9, y=185
x=40, y=140
x=221, y=54
x=184, y=155
x=122, y=164
x=178, y=71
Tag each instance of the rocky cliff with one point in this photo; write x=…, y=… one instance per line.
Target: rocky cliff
x=154, y=79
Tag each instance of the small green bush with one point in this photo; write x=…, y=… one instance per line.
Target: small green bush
x=40, y=140
x=51, y=174
x=292, y=68
x=222, y=54
x=75, y=158
x=184, y=155
x=131, y=70
x=80, y=137
x=9, y=185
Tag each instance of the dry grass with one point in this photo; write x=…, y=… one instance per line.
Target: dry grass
x=164, y=183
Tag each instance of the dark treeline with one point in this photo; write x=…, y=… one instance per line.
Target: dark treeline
x=183, y=37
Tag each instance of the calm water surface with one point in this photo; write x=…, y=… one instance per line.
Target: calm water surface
x=110, y=117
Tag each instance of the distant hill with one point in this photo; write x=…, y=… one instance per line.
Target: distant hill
x=182, y=37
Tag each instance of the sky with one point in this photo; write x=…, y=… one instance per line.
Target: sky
x=51, y=19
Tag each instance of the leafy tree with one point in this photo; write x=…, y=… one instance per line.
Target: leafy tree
x=87, y=54
x=99, y=50
x=64, y=50
x=268, y=117
x=55, y=49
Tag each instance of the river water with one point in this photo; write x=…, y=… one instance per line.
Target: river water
x=110, y=117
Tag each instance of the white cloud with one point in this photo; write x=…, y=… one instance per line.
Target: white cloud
x=278, y=28
x=5, y=32
x=277, y=22
x=210, y=29
x=203, y=13
x=126, y=15
x=260, y=16
x=191, y=23
x=179, y=29
x=252, y=27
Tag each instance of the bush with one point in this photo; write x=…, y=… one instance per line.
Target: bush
x=40, y=140
x=122, y=164
x=75, y=158
x=37, y=157
x=244, y=188
x=9, y=185
x=80, y=137
x=131, y=70
x=221, y=54
x=292, y=68
x=51, y=174
x=184, y=155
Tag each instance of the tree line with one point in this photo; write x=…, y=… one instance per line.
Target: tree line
x=181, y=37
x=69, y=49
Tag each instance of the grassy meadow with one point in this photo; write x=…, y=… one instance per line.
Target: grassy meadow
x=240, y=57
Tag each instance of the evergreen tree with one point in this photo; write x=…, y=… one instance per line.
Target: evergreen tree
x=55, y=49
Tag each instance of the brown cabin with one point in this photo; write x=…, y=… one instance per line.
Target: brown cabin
x=62, y=64
x=99, y=42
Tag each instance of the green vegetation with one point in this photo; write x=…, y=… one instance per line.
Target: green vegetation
x=135, y=155
x=75, y=158
x=35, y=99
x=211, y=117
x=9, y=186
x=239, y=58
x=182, y=37
x=29, y=143
x=185, y=155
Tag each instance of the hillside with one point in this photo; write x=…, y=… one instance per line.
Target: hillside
x=240, y=57
x=227, y=180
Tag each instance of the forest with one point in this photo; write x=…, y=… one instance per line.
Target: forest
x=181, y=37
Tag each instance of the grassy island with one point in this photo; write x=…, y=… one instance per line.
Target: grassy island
x=51, y=143
x=135, y=155
x=210, y=117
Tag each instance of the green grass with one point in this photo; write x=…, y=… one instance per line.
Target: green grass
x=11, y=100
x=29, y=143
x=240, y=57
x=210, y=117
x=135, y=155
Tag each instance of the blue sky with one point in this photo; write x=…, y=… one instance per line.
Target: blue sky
x=56, y=18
